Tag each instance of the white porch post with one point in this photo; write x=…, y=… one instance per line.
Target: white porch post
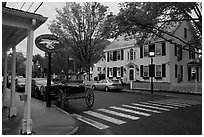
x=12, y=109
x=5, y=101
x=26, y=121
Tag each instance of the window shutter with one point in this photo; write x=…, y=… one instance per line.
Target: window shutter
x=108, y=56
x=107, y=72
x=121, y=71
x=197, y=72
x=181, y=70
x=141, y=52
x=163, y=70
x=141, y=70
x=176, y=74
x=121, y=54
x=114, y=55
x=114, y=71
x=189, y=73
x=163, y=48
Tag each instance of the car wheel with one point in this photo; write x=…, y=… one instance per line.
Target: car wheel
x=106, y=89
x=94, y=87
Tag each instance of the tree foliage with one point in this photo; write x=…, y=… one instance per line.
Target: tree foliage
x=80, y=26
x=142, y=20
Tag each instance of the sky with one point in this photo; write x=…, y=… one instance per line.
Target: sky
x=47, y=9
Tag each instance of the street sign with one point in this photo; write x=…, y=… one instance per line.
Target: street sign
x=49, y=43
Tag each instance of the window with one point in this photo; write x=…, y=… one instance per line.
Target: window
x=158, y=70
x=191, y=53
x=158, y=49
x=118, y=72
x=118, y=55
x=99, y=69
x=110, y=72
x=185, y=33
x=146, y=53
x=132, y=54
x=111, y=55
x=145, y=71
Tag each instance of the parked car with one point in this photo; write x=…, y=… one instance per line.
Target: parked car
x=40, y=86
x=107, y=85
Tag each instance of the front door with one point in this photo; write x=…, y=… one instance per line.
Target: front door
x=131, y=74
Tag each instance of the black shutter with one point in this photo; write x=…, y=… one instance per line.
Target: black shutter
x=108, y=56
x=114, y=55
x=197, y=72
x=176, y=74
x=114, y=71
x=189, y=73
x=181, y=70
x=163, y=70
x=107, y=72
x=121, y=54
x=121, y=71
x=141, y=70
x=141, y=52
x=152, y=70
x=163, y=48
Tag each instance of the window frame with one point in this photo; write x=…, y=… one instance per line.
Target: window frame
x=158, y=76
x=146, y=53
x=156, y=47
x=146, y=68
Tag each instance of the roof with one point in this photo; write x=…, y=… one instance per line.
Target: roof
x=120, y=43
x=15, y=24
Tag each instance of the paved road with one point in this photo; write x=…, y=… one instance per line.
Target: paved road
x=121, y=113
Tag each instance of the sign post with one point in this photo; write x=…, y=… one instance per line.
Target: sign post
x=50, y=44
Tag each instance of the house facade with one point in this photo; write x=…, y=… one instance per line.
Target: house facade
x=171, y=64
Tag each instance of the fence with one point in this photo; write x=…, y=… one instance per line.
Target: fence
x=186, y=88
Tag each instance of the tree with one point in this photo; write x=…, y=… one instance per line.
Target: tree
x=80, y=26
x=142, y=20
x=20, y=63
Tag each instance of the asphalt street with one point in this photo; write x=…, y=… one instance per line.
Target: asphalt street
x=120, y=113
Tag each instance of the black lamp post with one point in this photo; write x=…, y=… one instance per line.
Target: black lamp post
x=151, y=54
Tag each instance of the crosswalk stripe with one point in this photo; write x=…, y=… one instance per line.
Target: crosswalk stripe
x=176, y=103
x=166, y=103
x=131, y=111
x=104, y=117
x=148, y=106
x=190, y=102
x=119, y=114
x=90, y=122
x=158, y=105
x=145, y=109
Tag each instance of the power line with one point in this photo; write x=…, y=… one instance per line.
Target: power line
x=22, y=5
x=38, y=7
x=30, y=6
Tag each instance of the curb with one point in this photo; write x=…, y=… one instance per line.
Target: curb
x=75, y=129
x=158, y=91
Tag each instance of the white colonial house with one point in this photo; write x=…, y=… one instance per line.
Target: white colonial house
x=127, y=61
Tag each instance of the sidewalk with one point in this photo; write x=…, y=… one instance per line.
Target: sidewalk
x=182, y=95
x=46, y=121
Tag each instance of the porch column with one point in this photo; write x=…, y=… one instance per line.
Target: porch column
x=5, y=101
x=26, y=121
x=12, y=109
